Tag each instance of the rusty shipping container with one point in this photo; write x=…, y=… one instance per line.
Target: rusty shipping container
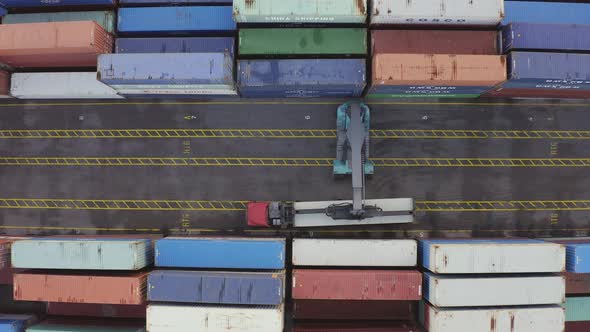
x=577, y=283
x=577, y=326
x=354, y=310
x=435, y=75
x=434, y=42
x=4, y=84
x=107, y=288
x=97, y=310
x=354, y=327
x=55, y=44
x=500, y=92
x=357, y=285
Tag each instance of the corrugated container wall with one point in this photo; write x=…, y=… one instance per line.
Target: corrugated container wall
x=303, y=41
x=176, y=20
x=302, y=78
x=329, y=252
x=577, y=326
x=221, y=253
x=354, y=310
x=515, y=319
x=300, y=11
x=18, y=4
x=577, y=283
x=176, y=45
x=60, y=86
x=537, y=93
x=168, y=318
x=434, y=42
x=250, y=288
x=80, y=288
x=492, y=256
x=471, y=291
x=577, y=309
x=546, y=12
x=437, y=12
x=82, y=254
x=140, y=3
x=357, y=285
x=105, y=19
x=353, y=327
x=97, y=310
x=12, y=325
x=56, y=44
x=54, y=325
x=578, y=256
x=4, y=83
x=538, y=36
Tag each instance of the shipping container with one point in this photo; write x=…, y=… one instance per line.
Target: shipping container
x=435, y=75
x=3, y=11
x=434, y=42
x=491, y=256
x=473, y=291
x=4, y=84
x=542, y=70
x=15, y=323
x=537, y=93
x=300, y=11
x=176, y=45
x=19, y=4
x=357, y=285
x=577, y=326
x=577, y=309
x=106, y=19
x=97, y=310
x=578, y=257
x=354, y=310
x=141, y=3
x=61, y=325
x=437, y=12
x=547, y=12
x=303, y=41
x=172, y=91
x=330, y=252
x=104, y=288
x=171, y=318
x=9, y=305
x=208, y=287
x=577, y=283
x=513, y=319
x=354, y=327
x=302, y=78
x=82, y=254
x=540, y=36
x=176, y=20
x=221, y=253
x=54, y=44
x=72, y=85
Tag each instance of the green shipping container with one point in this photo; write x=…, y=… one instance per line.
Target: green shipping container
x=577, y=309
x=106, y=19
x=303, y=41
x=57, y=327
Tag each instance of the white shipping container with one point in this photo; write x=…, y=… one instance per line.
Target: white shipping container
x=174, y=318
x=468, y=291
x=514, y=319
x=60, y=86
x=330, y=252
x=492, y=256
x=438, y=12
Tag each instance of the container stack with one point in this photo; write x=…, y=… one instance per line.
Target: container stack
x=54, y=54
x=292, y=49
x=86, y=272
x=548, y=48
x=217, y=284
x=492, y=285
x=355, y=285
x=172, y=51
x=450, y=59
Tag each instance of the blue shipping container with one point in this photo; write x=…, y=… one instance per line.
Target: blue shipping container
x=175, y=45
x=546, y=12
x=54, y=3
x=166, y=68
x=176, y=20
x=302, y=78
x=3, y=12
x=216, y=287
x=577, y=257
x=12, y=325
x=221, y=253
x=538, y=70
x=539, y=36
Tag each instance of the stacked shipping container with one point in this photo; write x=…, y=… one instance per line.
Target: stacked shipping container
x=330, y=288
x=217, y=300
x=472, y=283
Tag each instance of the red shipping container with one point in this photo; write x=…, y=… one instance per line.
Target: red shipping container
x=577, y=326
x=357, y=284
x=4, y=83
x=354, y=310
x=354, y=327
x=54, y=44
x=97, y=310
x=538, y=93
x=80, y=288
x=577, y=283
x=435, y=42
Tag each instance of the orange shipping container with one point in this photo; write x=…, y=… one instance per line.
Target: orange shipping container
x=80, y=288
x=54, y=44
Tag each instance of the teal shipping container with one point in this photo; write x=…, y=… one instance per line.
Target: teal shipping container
x=577, y=309
x=105, y=19
x=300, y=11
x=82, y=254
